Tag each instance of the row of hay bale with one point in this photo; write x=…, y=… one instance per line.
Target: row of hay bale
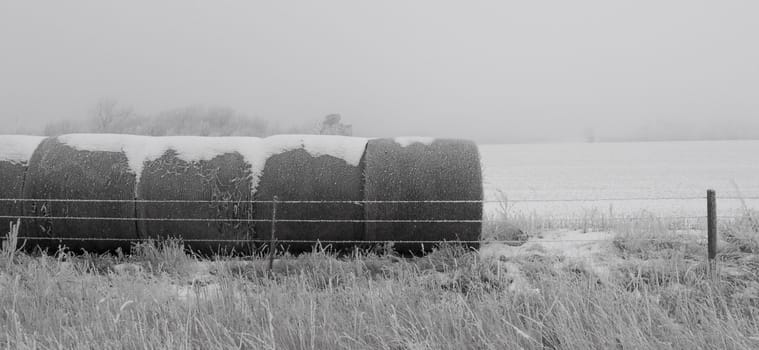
x=135, y=173
x=15, y=151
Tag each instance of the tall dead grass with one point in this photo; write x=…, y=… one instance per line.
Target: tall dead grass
x=9, y=246
x=449, y=299
x=659, y=296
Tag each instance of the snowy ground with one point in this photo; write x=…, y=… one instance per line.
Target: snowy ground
x=594, y=249
x=626, y=170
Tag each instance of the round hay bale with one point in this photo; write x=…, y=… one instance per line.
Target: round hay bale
x=225, y=177
x=423, y=169
x=15, y=152
x=312, y=168
x=77, y=167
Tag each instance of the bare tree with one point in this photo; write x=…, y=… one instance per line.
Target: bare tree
x=106, y=113
x=332, y=126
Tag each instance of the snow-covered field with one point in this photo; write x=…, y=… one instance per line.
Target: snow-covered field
x=623, y=170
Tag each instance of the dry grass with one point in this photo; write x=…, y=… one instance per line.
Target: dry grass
x=8, y=248
x=660, y=297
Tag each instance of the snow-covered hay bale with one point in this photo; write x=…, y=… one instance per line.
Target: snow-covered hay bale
x=15, y=152
x=423, y=169
x=312, y=168
x=184, y=175
x=83, y=167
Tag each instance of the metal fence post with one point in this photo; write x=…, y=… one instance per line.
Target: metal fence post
x=272, y=238
x=711, y=212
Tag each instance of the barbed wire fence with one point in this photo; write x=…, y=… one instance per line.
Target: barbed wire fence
x=707, y=223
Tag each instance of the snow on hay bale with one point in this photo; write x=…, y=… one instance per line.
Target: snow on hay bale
x=201, y=169
x=15, y=151
x=81, y=166
x=422, y=169
x=312, y=168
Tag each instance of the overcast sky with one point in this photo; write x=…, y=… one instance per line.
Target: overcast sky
x=487, y=70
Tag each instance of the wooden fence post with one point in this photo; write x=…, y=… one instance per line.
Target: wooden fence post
x=711, y=212
x=272, y=238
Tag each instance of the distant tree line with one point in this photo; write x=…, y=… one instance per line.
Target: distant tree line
x=108, y=116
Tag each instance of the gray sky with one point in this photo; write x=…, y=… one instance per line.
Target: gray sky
x=488, y=70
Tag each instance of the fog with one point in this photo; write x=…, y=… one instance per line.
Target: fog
x=493, y=71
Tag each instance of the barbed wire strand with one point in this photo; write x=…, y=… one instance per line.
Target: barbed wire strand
x=39, y=217
x=280, y=241
x=359, y=202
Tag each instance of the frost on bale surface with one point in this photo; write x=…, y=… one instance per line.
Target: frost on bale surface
x=57, y=171
x=442, y=169
x=313, y=168
x=15, y=151
x=406, y=141
x=142, y=149
x=224, y=177
x=255, y=151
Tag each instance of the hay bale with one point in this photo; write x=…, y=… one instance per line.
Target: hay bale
x=312, y=168
x=75, y=167
x=423, y=169
x=223, y=177
x=15, y=152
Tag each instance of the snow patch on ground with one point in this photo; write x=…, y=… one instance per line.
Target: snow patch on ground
x=594, y=248
x=18, y=149
x=197, y=292
x=576, y=244
x=409, y=140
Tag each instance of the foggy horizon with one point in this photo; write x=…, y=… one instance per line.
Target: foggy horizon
x=489, y=71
